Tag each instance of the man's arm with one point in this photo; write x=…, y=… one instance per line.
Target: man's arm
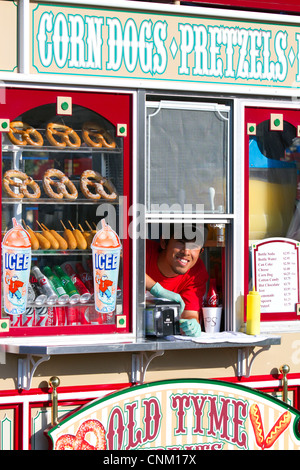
x=149, y=282
x=190, y=314
x=158, y=291
x=189, y=319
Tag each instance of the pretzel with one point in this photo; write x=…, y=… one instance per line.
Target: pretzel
x=98, y=182
x=8, y=181
x=60, y=135
x=66, y=442
x=28, y=134
x=95, y=427
x=78, y=442
x=65, y=187
x=95, y=136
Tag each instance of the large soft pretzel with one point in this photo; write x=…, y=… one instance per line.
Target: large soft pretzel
x=64, y=187
x=98, y=182
x=24, y=181
x=28, y=134
x=95, y=136
x=60, y=135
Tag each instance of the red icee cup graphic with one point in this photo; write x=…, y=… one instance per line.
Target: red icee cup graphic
x=106, y=249
x=16, y=262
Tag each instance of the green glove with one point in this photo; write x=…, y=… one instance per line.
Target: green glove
x=190, y=327
x=158, y=291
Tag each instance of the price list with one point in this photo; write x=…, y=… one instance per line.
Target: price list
x=276, y=274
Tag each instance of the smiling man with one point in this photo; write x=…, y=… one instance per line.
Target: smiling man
x=175, y=271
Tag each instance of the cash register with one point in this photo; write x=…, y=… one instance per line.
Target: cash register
x=161, y=317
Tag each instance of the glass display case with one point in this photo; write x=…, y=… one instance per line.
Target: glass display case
x=65, y=167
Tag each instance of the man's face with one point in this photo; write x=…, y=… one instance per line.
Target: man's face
x=179, y=256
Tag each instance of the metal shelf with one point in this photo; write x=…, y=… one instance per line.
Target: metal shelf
x=48, y=201
x=143, y=351
x=49, y=149
x=87, y=344
x=41, y=252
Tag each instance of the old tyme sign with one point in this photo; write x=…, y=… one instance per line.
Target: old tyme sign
x=181, y=415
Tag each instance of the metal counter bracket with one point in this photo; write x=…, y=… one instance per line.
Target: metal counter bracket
x=143, y=352
x=139, y=365
x=244, y=363
x=26, y=368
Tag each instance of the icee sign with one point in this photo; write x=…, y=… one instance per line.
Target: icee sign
x=183, y=414
x=142, y=45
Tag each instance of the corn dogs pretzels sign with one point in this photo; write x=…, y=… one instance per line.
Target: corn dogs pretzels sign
x=181, y=415
x=154, y=47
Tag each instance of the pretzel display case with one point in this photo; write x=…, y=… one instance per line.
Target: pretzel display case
x=62, y=174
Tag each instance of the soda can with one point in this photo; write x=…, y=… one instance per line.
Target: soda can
x=83, y=291
x=72, y=315
x=40, y=297
x=85, y=277
x=59, y=316
x=41, y=316
x=28, y=317
x=93, y=316
x=15, y=321
x=51, y=316
x=83, y=316
x=57, y=285
x=68, y=285
x=30, y=294
x=45, y=285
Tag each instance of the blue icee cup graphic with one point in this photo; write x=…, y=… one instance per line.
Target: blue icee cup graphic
x=106, y=249
x=16, y=263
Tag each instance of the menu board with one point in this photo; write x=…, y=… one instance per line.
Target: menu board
x=275, y=264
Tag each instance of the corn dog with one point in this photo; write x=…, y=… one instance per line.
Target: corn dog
x=91, y=234
x=44, y=243
x=84, y=233
x=81, y=241
x=53, y=242
x=62, y=243
x=69, y=237
x=33, y=239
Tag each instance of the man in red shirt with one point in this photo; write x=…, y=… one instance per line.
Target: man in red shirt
x=175, y=271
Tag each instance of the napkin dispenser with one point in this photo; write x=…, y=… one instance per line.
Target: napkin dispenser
x=161, y=318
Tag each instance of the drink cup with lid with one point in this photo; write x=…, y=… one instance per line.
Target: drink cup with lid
x=16, y=262
x=106, y=249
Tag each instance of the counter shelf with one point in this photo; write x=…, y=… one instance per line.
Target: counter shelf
x=143, y=351
x=46, y=201
x=35, y=253
x=61, y=150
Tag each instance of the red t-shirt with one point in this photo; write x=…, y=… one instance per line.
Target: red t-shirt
x=191, y=286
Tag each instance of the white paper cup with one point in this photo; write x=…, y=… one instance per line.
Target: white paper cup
x=212, y=319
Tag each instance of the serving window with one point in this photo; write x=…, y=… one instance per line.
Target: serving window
x=188, y=173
